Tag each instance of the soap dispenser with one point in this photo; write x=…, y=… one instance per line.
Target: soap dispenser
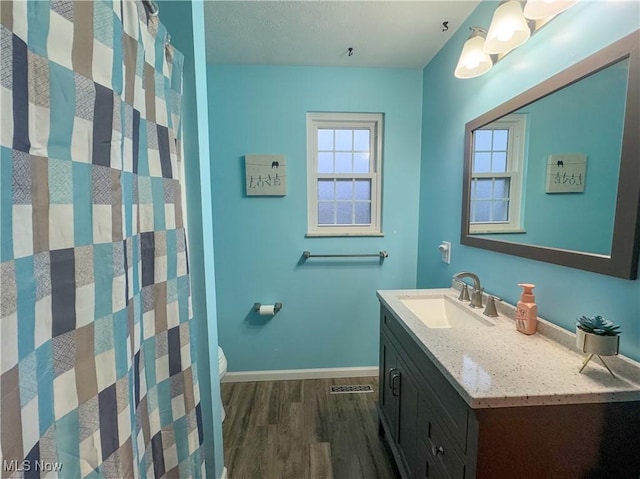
x=527, y=310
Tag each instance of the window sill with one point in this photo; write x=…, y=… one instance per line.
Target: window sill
x=488, y=232
x=330, y=234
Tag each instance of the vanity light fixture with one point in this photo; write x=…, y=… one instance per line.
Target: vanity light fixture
x=511, y=26
x=474, y=61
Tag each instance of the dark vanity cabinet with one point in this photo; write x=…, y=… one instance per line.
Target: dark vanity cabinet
x=434, y=434
x=399, y=401
x=426, y=438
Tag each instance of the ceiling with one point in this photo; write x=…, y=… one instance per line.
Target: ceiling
x=386, y=34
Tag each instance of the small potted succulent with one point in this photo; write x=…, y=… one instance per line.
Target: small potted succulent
x=597, y=335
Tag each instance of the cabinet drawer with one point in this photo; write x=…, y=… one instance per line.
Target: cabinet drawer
x=451, y=408
x=442, y=452
x=392, y=326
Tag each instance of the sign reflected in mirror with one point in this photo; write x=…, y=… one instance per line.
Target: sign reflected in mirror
x=566, y=173
x=553, y=174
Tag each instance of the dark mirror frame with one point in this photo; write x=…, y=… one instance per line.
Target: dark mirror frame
x=623, y=261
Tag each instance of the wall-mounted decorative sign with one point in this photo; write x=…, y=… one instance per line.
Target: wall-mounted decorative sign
x=266, y=175
x=566, y=173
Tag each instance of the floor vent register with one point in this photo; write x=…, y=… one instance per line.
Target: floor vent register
x=359, y=388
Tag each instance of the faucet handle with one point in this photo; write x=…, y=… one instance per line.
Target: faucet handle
x=464, y=291
x=490, y=308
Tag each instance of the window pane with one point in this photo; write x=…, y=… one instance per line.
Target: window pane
x=325, y=139
x=500, y=140
x=363, y=213
x=363, y=190
x=499, y=163
x=344, y=140
x=326, y=213
x=343, y=163
x=344, y=189
x=325, y=190
x=482, y=189
x=361, y=162
x=345, y=213
x=361, y=140
x=325, y=162
x=481, y=212
x=500, y=211
x=482, y=163
x=501, y=188
x=482, y=140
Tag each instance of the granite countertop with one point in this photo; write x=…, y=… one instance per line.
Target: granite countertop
x=497, y=366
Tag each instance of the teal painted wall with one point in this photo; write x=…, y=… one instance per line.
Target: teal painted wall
x=448, y=103
x=586, y=118
x=330, y=313
x=188, y=37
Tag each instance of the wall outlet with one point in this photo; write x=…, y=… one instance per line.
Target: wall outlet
x=445, y=252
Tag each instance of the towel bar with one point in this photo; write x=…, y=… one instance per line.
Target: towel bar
x=381, y=254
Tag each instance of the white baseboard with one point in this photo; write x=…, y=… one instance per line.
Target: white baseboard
x=224, y=473
x=288, y=374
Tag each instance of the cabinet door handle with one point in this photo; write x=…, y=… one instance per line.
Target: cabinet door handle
x=437, y=450
x=426, y=470
x=394, y=391
x=389, y=376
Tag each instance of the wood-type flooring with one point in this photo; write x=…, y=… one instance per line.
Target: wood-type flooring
x=298, y=430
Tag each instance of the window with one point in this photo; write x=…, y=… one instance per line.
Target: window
x=496, y=178
x=344, y=174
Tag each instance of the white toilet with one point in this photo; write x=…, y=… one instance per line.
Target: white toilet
x=222, y=370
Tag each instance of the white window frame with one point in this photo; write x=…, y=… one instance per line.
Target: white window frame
x=371, y=121
x=516, y=124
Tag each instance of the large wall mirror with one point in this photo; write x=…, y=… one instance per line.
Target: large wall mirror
x=554, y=173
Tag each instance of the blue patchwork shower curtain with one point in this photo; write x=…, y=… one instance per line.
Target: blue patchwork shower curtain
x=98, y=372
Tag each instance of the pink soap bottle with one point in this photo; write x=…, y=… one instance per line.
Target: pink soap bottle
x=527, y=310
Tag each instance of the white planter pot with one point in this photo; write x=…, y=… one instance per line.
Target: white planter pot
x=590, y=343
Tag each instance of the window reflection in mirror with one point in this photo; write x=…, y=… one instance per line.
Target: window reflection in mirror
x=496, y=179
x=585, y=119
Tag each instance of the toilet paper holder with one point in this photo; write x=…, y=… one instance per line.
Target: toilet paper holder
x=276, y=307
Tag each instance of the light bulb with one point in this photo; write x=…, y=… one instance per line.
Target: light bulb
x=505, y=35
x=508, y=30
x=473, y=60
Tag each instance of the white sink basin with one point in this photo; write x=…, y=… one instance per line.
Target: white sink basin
x=441, y=311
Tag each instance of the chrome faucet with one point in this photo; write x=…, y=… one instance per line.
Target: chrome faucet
x=476, y=296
